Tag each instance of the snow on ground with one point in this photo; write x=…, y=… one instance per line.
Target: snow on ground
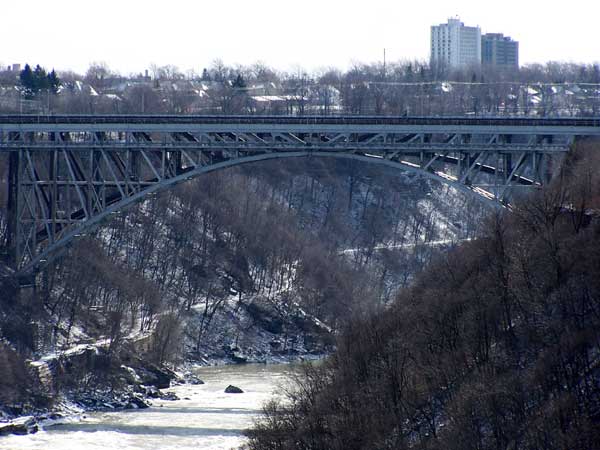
x=235, y=336
x=407, y=245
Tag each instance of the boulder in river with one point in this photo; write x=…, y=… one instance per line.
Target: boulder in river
x=22, y=425
x=231, y=389
x=190, y=378
x=152, y=392
x=137, y=402
x=171, y=396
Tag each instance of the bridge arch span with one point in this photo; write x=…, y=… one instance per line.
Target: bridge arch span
x=68, y=173
x=53, y=249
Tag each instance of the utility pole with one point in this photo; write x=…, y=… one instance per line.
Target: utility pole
x=384, y=74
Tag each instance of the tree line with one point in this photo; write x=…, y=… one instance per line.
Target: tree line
x=402, y=88
x=37, y=80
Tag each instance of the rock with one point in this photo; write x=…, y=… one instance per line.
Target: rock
x=50, y=416
x=152, y=392
x=22, y=425
x=170, y=396
x=233, y=390
x=129, y=375
x=87, y=402
x=190, y=378
x=239, y=358
x=265, y=317
x=153, y=376
x=137, y=402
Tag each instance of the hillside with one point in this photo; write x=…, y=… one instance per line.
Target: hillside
x=495, y=345
x=263, y=263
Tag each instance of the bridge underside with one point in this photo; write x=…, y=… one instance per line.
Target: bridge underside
x=63, y=181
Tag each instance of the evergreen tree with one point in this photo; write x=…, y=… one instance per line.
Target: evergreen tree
x=37, y=80
x=595, y=74
x=239, y=82
x=409, y=72
x=53, y=81
x=40, y=79
x=205, y=75
x=27, y=81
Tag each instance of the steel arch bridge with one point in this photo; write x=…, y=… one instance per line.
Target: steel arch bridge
x=68, y=173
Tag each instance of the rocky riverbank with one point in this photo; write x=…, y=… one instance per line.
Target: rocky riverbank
x=123, y=387
x=134, y=384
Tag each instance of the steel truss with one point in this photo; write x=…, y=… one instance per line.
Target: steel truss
x=66, y=178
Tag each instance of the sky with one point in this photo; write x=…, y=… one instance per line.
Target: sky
x=131, y=35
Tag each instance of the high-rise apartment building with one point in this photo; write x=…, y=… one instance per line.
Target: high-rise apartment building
x=455, y=45
x=499, y=51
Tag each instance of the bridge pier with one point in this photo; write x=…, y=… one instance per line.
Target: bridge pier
x=12, y=237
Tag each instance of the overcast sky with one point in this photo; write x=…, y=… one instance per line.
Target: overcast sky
x=129, y=35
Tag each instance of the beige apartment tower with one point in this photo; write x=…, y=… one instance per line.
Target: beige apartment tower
x=455, y=45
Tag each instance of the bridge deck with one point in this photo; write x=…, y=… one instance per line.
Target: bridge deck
x=517, y=126
x=299, y=120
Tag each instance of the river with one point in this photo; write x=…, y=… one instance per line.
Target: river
x=210, y=419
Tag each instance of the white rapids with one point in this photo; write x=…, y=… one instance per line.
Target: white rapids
x=210, y=419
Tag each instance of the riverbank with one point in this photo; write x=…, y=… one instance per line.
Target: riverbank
x=94, y=374
x=126, y=388
x=132, y=389
x=203, y=416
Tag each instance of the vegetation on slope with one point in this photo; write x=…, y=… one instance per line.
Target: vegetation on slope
x=266, y=243
x=495, y=346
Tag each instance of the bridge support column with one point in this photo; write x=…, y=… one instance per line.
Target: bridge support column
x=12, y=237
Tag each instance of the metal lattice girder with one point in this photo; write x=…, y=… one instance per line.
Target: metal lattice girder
x=70, y=172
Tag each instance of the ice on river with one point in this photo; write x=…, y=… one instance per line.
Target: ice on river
x=210, y=419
